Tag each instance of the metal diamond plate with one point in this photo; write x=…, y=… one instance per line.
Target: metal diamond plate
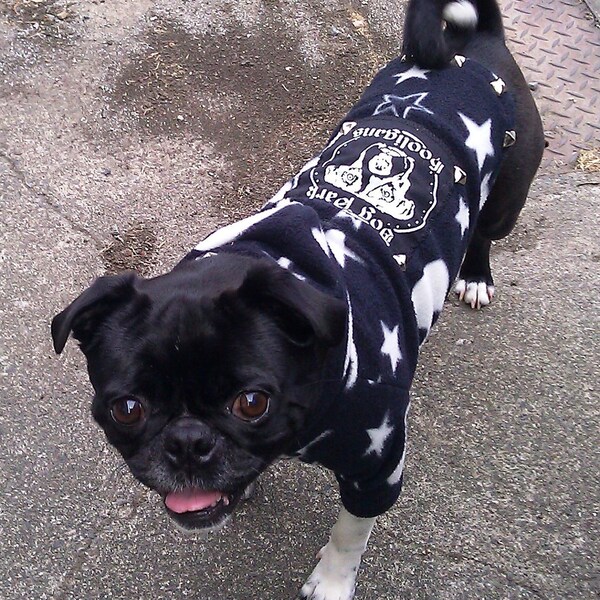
x=557, y=45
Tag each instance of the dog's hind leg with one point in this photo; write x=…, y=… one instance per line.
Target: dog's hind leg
x=475, y=284
x=334, y=577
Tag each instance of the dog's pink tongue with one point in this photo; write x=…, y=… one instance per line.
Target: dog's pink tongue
x=191, y=500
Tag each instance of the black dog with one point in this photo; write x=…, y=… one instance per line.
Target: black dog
x=297, y=330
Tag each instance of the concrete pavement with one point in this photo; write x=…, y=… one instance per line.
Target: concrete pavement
x=130, y=130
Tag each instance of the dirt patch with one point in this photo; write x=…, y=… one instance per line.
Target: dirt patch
x=42, y=20
x=131, y=251
x=252, y=95
x=525, y=235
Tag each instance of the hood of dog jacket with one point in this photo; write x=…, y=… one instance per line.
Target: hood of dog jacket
x=382, y=218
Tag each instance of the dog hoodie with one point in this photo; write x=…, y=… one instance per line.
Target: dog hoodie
x=381, y=219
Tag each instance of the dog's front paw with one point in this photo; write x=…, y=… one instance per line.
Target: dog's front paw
x=334, y=577
x=474, y=293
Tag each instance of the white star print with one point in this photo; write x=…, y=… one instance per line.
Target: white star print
x=391, y=346
x=355, y=484
x=280, y=195
x=429, y=293
x=336, y=240
x=378, y=436
x=319, y=236
x=390, y=104
x=462, y=216
x=484, y=190
x=229, y=233
x=346, y=128
x=412, y=73
x=345, y=214
x=207, y=255
x=284, y=262
x=351, y=359
x=396, y=475
x=480, y=138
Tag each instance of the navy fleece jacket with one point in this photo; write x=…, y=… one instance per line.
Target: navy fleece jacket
x=382, y=218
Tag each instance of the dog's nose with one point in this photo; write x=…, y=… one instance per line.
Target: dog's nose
x=189, y=443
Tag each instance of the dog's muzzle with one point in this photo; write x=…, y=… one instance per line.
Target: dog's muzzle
x=191, y=447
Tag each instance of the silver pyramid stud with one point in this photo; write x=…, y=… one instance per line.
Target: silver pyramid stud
x=499, y=86
x=510, y=137
x=401, y=260
x=348, y=126
x=460, y=176
x=459, y=60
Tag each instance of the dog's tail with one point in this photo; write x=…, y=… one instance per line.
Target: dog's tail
x=435, y=30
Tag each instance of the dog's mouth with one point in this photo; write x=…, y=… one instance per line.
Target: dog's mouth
x=194, y=508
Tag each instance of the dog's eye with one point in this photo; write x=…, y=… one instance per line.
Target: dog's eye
x=250, y=406
x=127, y=411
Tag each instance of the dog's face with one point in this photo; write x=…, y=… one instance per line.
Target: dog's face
x=203, y=376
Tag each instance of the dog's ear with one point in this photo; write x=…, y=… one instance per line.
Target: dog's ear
x=302, y=312
x=84, y=314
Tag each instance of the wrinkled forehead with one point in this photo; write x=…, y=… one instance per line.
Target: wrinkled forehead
x=186, y=355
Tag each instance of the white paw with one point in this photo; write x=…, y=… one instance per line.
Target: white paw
x=334, y=577
x=475, y=294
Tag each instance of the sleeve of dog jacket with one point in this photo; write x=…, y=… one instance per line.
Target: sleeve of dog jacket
x=372, y=482
x=364, y=443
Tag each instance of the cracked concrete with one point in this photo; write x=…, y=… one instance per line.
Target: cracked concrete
x=97, y=172
x=45, y=197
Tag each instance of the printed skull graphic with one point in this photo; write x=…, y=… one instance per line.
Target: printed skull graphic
x=380, y=176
